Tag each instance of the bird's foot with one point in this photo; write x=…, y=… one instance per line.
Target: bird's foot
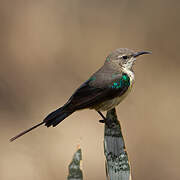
x=105, y=120
x=102, y=121
x=108, y=123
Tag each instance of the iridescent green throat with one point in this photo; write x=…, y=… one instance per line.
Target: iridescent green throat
x=121, y=83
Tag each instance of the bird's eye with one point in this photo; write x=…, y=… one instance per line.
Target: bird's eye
x=124, y=57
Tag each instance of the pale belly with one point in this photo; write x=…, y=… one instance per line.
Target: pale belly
x=110, y=104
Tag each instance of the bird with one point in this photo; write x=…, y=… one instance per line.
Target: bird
x=103, y=91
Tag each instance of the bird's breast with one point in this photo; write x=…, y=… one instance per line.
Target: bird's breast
x=112, y=103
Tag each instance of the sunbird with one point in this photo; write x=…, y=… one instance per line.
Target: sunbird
x=103, y=91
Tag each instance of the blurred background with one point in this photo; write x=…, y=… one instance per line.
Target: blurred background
x=48, y=48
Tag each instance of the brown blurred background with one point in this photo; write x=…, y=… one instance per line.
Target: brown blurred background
x=48, y=48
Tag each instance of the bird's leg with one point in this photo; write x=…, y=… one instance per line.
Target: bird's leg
x=104, y=119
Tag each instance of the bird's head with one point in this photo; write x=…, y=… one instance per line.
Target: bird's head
x=124, y=58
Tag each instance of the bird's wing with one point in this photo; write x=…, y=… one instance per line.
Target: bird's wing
x=88, y=95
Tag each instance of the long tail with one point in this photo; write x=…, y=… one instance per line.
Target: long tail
x=53, y=119
x=26, y=131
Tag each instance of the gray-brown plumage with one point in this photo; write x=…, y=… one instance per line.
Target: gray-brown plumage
x=104, y=90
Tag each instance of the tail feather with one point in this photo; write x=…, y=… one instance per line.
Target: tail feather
x=53, y=119
x=26, y=131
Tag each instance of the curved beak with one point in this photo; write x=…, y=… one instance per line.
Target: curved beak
x=141, y=53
